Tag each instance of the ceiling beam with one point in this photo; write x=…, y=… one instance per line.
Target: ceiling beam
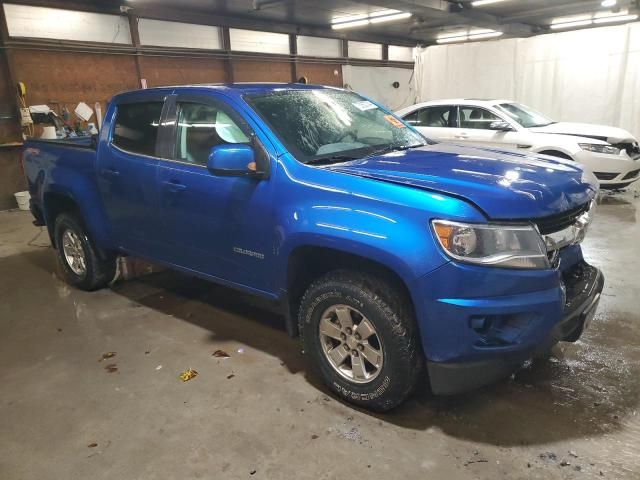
x=454, y=13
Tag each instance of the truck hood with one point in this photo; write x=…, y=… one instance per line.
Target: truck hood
x=503, y=184
x=587, y=130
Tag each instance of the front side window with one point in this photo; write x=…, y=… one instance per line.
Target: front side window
x=136, y=127
x=435, y=117
x=201, y=127
x=327, y=124
x=525, y=116
x=477, y=118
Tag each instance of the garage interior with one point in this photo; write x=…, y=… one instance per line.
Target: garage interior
x=90, y=381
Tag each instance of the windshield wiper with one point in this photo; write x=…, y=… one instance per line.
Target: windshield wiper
x=331, y=159
x=393, y=148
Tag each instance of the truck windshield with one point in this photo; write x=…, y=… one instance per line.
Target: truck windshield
x=525, y=116
x=331, y=125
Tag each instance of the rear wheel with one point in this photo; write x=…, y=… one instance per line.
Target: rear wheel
x=82, y=264
x=360, y=336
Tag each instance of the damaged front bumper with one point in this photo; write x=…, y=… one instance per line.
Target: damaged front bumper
x=507, y=330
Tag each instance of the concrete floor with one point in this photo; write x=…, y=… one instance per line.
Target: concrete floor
x=257, y=414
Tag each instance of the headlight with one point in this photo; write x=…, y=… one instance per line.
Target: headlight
x=592, y=147
x=493, y=245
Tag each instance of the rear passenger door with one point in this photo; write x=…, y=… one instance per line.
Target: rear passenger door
x=433, y=122
x=220, y=226
x=126, y=172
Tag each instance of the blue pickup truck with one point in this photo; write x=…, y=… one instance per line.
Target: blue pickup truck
x=390, y=255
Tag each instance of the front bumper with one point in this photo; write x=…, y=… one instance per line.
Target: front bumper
x=481, y=338
x=612, y=171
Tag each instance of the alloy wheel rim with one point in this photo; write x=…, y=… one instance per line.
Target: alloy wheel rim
x=351, y=344
x=74, y=253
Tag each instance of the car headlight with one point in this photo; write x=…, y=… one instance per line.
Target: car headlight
x=510, y=246
x=593, y=147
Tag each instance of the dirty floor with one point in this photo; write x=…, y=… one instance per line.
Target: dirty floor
x=67, y=413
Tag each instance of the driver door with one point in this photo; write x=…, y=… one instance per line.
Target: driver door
x=219, y=226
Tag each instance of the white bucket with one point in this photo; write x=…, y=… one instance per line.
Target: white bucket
x=23, y=200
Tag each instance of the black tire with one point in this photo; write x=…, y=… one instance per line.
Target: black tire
x=392, y=317
x=100, y=267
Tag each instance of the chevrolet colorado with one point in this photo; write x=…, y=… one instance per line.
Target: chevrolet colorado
x=388, y=253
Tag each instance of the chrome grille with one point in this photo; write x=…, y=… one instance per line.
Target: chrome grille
x=560, y=221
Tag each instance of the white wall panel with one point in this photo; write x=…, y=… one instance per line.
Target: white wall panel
x=319, y=47
x=365, y=50
x=253, y=41
x=175, y=34
x=377, y=84
x=55, y=23
x=590, y=75
x=400, y=54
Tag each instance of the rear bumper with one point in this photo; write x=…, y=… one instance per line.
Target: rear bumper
x=493, y=336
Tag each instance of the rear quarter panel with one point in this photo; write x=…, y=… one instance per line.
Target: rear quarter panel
x=66, y=170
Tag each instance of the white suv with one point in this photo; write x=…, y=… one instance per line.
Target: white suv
x=611, y=153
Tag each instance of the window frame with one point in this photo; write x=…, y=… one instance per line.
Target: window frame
x=170, y=124
x=154, y=98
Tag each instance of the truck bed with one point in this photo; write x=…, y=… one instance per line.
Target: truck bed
x=54, y=166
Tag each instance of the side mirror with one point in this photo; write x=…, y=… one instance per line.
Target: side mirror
x=233, y=160
x=500, y=126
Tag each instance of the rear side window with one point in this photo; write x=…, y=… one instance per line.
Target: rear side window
x=429, y=117
x=136, y=127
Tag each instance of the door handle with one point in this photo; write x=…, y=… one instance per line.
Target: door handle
x=110, y=172
x=462, y=135
x=174, y=186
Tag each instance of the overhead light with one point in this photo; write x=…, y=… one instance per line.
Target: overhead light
x=616, y=18
x=366, y=19
x=355, y=23
x=609, y=3
x=590, y=19
x=574, y=24
x=463, y=36
x=389, y=18
x=479, y=36
x=480, y=3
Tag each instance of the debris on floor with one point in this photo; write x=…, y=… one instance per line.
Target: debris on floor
x=548, y=456
x=230, y=376
x=188, y=374
x=220, y=354
x=111, y=368
x=92, y=445
x=107, y=355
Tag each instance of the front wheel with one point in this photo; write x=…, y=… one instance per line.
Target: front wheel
x=82, y=264
x=360, y=336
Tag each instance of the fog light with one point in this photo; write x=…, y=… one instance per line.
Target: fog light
x=480, y=324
